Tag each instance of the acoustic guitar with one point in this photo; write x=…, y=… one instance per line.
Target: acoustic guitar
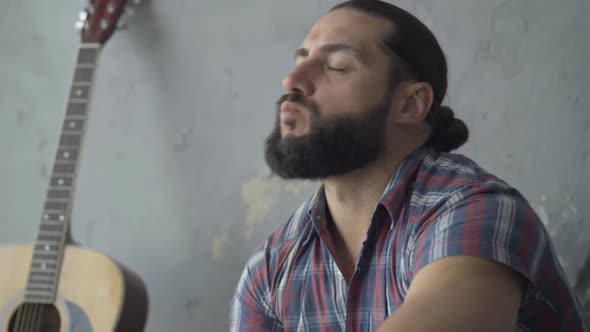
x=56, y=285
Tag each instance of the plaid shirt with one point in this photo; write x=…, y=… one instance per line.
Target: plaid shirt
x=435, y=205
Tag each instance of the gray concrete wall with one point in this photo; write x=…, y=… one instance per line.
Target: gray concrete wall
x=173, y=182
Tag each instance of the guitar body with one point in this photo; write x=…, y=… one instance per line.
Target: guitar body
x=95, y=293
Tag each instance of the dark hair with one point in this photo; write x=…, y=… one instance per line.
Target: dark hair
x=417, y=54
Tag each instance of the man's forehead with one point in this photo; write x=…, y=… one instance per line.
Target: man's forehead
x=348, y=26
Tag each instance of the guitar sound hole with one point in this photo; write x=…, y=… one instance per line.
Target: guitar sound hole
x=35, y=317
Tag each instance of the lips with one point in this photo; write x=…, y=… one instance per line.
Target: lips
x=289, y=113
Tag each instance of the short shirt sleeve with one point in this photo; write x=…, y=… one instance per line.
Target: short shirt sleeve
x=251, y=310
x=487, y=221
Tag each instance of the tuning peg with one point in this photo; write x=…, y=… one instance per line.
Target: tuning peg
x=81, y=25
x=82, y=16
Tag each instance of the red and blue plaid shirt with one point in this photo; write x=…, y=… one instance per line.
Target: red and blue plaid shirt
x=435, y=205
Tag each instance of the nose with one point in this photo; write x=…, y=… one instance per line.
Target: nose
x=299, y=80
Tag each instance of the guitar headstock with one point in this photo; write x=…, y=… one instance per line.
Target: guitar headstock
x=98, y=21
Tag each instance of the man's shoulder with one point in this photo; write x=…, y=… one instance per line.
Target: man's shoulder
x=448, y=172
x=445, y=179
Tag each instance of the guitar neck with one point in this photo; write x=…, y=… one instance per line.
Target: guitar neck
x=53, y=234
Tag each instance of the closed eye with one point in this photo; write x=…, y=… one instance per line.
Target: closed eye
x=337, y=69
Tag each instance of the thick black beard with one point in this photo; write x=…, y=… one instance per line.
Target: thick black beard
x=334, y=146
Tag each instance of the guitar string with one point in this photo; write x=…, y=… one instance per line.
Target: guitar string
x=19, y=314
x=23, y=318
x=31, y=322
x=38, y=326
x=36, y=319
x=27, y=318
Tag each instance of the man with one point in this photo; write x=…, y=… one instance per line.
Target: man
x=401, y=235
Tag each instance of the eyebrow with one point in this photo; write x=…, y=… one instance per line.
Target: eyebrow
x=332, y=48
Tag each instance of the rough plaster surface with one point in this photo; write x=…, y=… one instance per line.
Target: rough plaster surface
x=173, y=182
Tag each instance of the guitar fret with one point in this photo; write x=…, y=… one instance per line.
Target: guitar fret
x=39, y=251
x=58, y=194
x=80, y=92
x=39, y=298
x=81, y=83
x=50, y=233
x=59, y=187
x=67, y=155
x=47, y=243
x=64, y=168
x=87, y=55
x=42, y=298
x=54, y=216
x=44, y=257
x=40, y=282
x=45, y=227
x=33, y=279
x=61, y=181
x=67, y=140
x=39, y=269
x=31, y=288
x=71, y=131
x=83, y=74
x=79, y=100
x=44, y=266
x=50, y=223
x=59, y=175
x=49, y=263
x=56, y=200
x=42, y=274
x=38, y=294
x=56, y=206
x=73, y=124
x=41, y=237
x=76, y=108
x=63, y=162
x=47, y=247
x=75, y=117
x=39, y=279
x=86, y=65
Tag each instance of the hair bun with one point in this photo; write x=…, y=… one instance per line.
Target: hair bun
x=445, y=116
x=448, y=132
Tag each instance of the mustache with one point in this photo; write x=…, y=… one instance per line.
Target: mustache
x=297, y=99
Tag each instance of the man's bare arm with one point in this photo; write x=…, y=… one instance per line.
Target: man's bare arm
x=460, y=294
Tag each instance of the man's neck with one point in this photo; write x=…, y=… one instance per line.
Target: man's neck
x=351, y=198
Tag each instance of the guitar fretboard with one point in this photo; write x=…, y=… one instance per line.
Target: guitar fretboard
x=53, y=232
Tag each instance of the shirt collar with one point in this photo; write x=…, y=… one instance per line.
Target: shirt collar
x=393, y=197
x=399, y=187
